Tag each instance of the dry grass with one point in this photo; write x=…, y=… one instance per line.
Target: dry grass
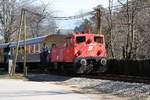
x=5, y=75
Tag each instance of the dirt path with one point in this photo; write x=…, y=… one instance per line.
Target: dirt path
x=29, y=90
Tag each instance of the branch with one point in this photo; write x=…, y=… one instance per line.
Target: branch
x=120, y=2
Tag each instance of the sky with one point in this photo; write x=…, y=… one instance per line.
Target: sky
x=71, y=8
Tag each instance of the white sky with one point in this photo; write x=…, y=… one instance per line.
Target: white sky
x=71, y=8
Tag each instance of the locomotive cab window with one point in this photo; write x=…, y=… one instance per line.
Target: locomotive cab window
x=98, y=39
x=80, y=39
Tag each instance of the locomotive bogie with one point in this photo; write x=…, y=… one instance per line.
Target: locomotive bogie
x=90, y=65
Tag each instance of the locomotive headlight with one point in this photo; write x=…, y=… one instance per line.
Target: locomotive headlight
x=83, y=62
x=103, y=61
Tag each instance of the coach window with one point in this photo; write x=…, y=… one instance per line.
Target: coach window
x=98, y=39
x=80, y=39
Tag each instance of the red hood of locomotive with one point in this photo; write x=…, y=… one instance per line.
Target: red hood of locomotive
x=90, y=49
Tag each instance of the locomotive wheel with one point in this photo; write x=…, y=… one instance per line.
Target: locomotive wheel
x=79, y=69
x=58, y=66
x=89, y=68
x=103, y=65
x=102, y=69
x=76, y=67
x=82, y=69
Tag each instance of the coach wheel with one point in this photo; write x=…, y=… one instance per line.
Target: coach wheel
x=61, y=67
x=55, y=65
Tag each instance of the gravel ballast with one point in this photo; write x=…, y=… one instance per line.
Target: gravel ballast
x=132, y=91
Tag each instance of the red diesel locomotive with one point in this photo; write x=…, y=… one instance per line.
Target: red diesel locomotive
x=85, y=51
x=80, y=52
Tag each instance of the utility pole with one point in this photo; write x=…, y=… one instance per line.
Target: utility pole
x=99, y=20
x=22, y=28
x=25, y=47
x=12, y=72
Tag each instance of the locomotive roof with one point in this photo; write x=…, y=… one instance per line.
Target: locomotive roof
x=32, y=41
x=83, y=34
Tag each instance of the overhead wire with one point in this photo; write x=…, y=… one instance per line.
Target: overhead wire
x=115, y=8
x=75, y=17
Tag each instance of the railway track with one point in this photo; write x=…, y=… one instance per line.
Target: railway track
x=104, y=76
x=114, y=77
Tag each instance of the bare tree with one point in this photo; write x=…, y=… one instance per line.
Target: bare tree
x=84, y=27
x=129, y=12
x=7, y=18
x=110, y=27
x=36, y=24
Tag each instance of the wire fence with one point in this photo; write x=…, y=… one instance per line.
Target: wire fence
x=129, y=67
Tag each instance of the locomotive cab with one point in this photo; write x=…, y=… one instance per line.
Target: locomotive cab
x=90, y=53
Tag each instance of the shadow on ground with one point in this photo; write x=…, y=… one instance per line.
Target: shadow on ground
x=3, y=73
x=26, y=93
x=46, y=77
